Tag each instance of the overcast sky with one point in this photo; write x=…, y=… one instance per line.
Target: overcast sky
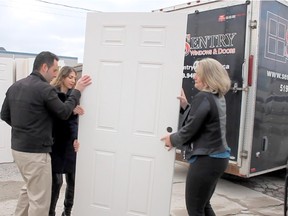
x=32, y=26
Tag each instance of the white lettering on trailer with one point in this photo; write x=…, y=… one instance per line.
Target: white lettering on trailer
x=283, y=88
x=277, y=75
x=213, y=41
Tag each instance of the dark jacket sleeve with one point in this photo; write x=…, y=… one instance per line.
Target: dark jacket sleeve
x=60, y=109
x=198, y=113
x=183, y=116
x=72, y=121
x=5, y=112
x=73, y=124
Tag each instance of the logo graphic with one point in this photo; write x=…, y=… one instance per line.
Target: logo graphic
x=222, y=18
x=187, y=45
x=276, y=38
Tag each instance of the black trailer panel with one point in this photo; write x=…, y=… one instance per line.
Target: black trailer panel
x=250, y=39
x=219, y=34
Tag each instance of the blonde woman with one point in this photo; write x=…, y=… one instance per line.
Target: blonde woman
x=203, y=136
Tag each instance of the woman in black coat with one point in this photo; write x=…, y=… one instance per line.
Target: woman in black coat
x=65, y=145
x=202, y=137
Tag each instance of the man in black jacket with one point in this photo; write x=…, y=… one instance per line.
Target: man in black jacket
x=29, y=107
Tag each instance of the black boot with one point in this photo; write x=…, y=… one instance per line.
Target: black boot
x=57, y=181
x=69, y=194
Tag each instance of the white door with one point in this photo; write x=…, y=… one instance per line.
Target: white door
x=136, y=62
x=6, y=79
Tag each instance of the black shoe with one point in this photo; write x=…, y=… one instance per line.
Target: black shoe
x=63, y=214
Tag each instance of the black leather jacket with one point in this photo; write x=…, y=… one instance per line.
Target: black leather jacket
x=204, y=128
x=29, y=107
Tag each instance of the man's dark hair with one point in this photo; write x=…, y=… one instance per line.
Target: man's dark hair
x=44, y=57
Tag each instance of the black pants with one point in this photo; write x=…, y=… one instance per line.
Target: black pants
x=57, y=181
x=201, y=181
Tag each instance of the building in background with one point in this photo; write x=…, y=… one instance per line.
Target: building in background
x=69, y=61
x=15, y=66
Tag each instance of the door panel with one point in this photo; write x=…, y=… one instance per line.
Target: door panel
x=269, y=149
x=135, y=61
x=6, y=79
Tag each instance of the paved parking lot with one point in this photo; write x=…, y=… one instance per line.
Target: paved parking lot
x=229, y=198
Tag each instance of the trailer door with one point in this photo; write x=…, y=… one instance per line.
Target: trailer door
x=219, y=34
x=123, y=168
x=270, y=140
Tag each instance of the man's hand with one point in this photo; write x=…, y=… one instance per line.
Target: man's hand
x=83, y=82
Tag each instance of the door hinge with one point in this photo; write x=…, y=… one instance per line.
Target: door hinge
x=253, y=24
x=244, y=154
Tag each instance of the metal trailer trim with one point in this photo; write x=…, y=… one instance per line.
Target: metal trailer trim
x=248, y=127
x=244, y=105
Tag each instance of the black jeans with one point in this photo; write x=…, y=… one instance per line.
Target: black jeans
x=201, y=181
x=57, y=181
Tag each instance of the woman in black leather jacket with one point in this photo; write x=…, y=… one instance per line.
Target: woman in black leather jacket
x=203, y=136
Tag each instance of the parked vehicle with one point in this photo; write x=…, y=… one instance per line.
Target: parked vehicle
x=250, y=39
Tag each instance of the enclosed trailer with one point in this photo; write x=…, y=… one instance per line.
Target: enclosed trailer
x=250, y=39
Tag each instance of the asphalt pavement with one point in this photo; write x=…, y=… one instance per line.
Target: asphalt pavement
x=229, y=199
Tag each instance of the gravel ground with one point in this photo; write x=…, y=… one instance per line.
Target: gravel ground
x=9, y=175
x=9, y=172
x=10, y=185
x=271, y=184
